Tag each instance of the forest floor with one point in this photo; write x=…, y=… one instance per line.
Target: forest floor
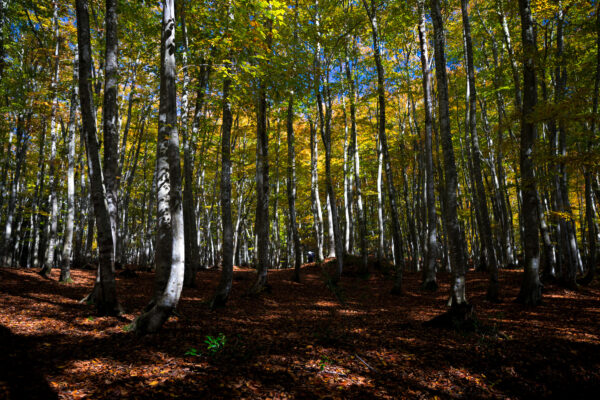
x=297, y=341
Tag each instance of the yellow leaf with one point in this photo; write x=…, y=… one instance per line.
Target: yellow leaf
x=153, y=383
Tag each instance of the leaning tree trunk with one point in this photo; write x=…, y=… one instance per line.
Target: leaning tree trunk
x=485, y=228
x=429, y=278
x=67, y=250
x=455, y=246
x=170, y=252
x=531, y=288
x=104, y=293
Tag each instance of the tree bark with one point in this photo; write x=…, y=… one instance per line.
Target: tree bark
x=67, y=250
x=429, y=269
x=225, y=283
x=291, y=188
x=398, y=253
x=110, y=117
x=453, y=232
x=485, y=228
x=170, y=251
x=104, y=293
x=53, y=200
x=531, y=288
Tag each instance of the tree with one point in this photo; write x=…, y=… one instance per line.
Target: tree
x=170, y=251
x=105, y=291
x=457, y=295
x=531, y=288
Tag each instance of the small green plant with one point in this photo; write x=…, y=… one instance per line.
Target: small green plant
x=193, y=352
x=90, y=318
x=215, y=344
x=324, y=362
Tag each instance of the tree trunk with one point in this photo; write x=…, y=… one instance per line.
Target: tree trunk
x=262, y=191
x=291, y=188
x=67, y=250
x=531, y=288
x=429, y=269
x=110, y=117
x=589, y=201
x=104, y=293
x=398, y=253
x=485, y=229
x=192, y=252
x=362, y=225
x=314, y=190
x=453, y=232
x=170, y=251
x=53, y=200
x=225, y=283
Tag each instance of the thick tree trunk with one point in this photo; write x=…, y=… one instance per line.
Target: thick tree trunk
x=531, y=288
x=170, y=251
x=105, y=293
x=453, y=232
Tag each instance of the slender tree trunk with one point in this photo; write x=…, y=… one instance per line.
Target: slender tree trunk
x=104, y=293
x=589, y=201
x=485, y=228
x=398, y=253
x=170, y=251
x=453, y=232
x=110, y=117
x=429, y=269
x=262, y=191
x=67, y=250
x=314, y=190
x=531, y=288
x=192, y=252
x=291, y=188
x=362, y=225
x=224, y=288
x=53, y=200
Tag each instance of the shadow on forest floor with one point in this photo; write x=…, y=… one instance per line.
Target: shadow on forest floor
x=297, y=341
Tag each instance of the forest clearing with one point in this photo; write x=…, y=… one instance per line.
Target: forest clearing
x=297, y=342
